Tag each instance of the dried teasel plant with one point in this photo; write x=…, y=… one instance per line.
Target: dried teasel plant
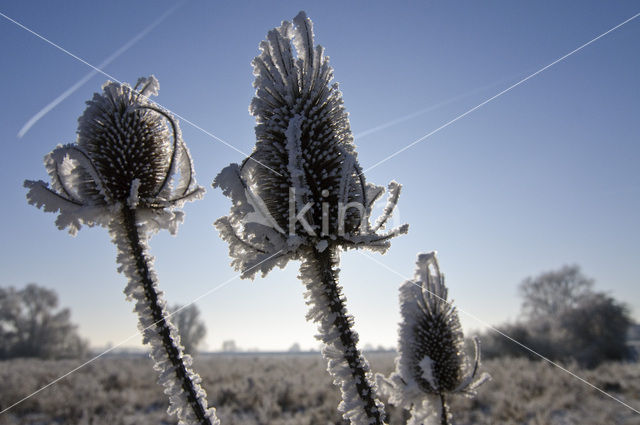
x=302, y=195
x=130, y=171
x=431, y=363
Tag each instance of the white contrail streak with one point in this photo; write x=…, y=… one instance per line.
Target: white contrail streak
x=44, y=111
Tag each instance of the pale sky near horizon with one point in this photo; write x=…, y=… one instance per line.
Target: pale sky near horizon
x=545, y=175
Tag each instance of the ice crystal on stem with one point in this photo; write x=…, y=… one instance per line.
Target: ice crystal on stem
x=431, y=363
x=130, y=171
x=302, y=195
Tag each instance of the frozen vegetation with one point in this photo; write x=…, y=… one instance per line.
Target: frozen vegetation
x=300, y=196
x=305, y=160
x=432, y=364
x=130, y=171
x=296, y=390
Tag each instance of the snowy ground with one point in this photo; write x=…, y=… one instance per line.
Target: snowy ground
x=296, y=390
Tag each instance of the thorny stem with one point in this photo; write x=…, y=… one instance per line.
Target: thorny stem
x=173, y=352
x=336, y=302
x=445, y=413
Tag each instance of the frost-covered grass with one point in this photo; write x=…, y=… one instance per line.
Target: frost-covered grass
x=296, y=390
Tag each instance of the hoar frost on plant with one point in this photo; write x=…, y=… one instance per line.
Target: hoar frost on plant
x=129, y=171
x=350, y=370
x=302, y=195
x=125, y=154
x=302, y=186
x=431, y=362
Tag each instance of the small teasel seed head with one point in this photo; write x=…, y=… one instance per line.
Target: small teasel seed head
x=437, y=356
x=436, y=343
x=431, y=359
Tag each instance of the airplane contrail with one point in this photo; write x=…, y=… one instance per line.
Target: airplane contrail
x=44, y=111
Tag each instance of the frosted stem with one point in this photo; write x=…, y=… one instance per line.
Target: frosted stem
x=444, y=418
x=351, y=372
x=191, y=391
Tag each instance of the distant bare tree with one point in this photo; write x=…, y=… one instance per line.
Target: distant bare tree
x=295, y=348
x=190, y=326
x=30, y=326
x=595, y=330
x=552, y=292
x=563, y=318
x=229, y=346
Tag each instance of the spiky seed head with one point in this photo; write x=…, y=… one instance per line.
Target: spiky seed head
x=302, y=186
x=126, y=140
x=435, y=339
x=129, y=153
x=302, y=130
x=431, y=361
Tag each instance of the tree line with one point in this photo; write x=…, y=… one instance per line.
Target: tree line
x=563, y=318
x=32, y=325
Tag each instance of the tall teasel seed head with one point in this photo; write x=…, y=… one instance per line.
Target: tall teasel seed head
x=431, y=358
x=128, y=152
x=302, y=185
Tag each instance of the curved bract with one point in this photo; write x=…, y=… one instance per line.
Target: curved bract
x=128, y=152
x=302, y=185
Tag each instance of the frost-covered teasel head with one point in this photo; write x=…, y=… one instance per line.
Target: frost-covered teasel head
x=431, y=359
x=129, y=171
x=129, y=152
x=302, y=186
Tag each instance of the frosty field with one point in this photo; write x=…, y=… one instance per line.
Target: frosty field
x=296, y=390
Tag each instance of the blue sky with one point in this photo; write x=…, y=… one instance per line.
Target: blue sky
x=542, y=176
